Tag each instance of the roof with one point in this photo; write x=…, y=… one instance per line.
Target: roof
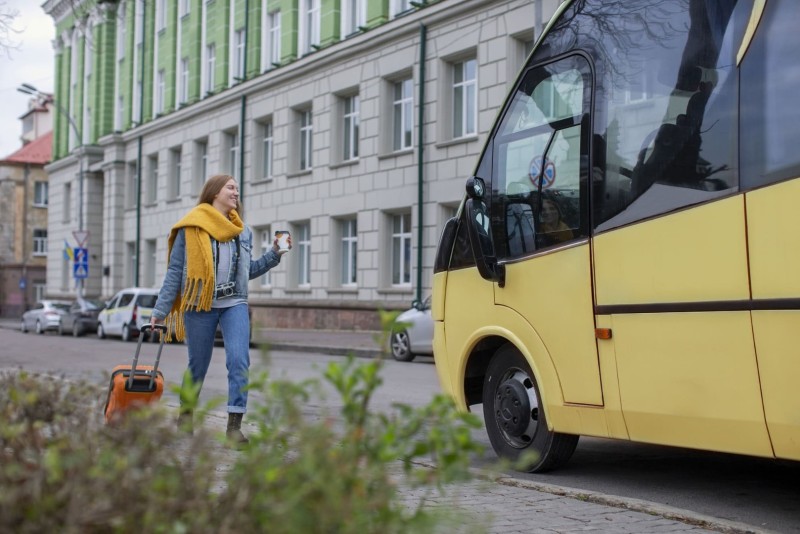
x=37, y=152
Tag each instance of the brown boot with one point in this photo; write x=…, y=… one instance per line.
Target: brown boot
x=234, y=432
x=186, y=421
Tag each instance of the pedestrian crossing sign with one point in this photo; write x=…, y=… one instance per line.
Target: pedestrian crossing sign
x=80, y=266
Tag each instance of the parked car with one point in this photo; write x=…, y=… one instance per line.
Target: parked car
x=81, y=317
x=44, y=315
x=126, y=312
x=414, y=333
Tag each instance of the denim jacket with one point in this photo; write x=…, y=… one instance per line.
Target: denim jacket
x=247, y=269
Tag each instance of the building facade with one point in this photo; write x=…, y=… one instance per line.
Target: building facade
x=351, y=123
x=24, y=199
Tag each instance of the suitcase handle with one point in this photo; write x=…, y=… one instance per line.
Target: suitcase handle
x=146, y=327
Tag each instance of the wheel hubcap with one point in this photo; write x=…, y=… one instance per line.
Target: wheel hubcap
x=516, y=409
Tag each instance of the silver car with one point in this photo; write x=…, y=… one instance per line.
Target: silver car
x=413, y=334
x=45, y=315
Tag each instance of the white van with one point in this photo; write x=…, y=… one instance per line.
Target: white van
x=126, y=312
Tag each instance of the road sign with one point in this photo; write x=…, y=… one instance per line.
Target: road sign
x=81, y=236
x=80, y=266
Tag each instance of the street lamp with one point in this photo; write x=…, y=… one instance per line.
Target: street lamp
x=28, y=89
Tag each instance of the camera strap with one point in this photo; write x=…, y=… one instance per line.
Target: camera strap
x=235, y=261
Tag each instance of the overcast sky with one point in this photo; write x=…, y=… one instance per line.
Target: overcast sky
x=32, y=61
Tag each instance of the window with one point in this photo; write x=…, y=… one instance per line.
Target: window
x=770, y=115
x=272, y=49
x=232, y=163
x=265, y=238
x=265, y=129
x=306, y=131
x=149, y=263
x=201, y=164
x=160, y=88
x=309, y=27
x=39, y=242
x=183, y=7
x=161, y=15
x=67, y=207
x=183, y=81
x=138, y=22
x=211, y=65
x=402, y=114
x=670, y=125
x=121, y=29
x=465, y=108
x=131, y=263
x=131, y=177
x=401, y=249
x=351, y=113
x=175, y=176
x=542, y=207
x=137, y=101
x=353, y=16
x=399, y=6
x=40, y=190
x=119, y=113
x=237, y=61
x=302, y=241
x=349, y=252
x=152, y=179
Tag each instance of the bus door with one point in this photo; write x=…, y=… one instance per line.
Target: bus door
x=670, y=250
x=539, y=219
x=770, y=126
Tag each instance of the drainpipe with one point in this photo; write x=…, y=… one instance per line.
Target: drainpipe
x=140, y=142
x=244, y=98
x=420, y=161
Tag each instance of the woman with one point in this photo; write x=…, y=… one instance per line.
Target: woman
x=210, y=265
x=552, y=226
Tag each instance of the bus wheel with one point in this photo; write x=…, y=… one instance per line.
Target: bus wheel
x=515, y=418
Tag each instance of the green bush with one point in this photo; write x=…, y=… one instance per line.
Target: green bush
x=63, y=470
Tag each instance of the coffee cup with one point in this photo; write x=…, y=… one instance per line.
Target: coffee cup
x=283, y=241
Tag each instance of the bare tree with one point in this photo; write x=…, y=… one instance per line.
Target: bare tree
x=7, y=30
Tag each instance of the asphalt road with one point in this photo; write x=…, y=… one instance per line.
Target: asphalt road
x=758, y=492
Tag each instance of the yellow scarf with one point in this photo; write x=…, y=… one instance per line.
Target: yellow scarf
x=203, y=221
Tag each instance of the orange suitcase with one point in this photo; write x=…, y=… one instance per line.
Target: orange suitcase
x=130, y=389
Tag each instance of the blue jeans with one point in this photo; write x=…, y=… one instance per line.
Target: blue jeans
x=200, y=330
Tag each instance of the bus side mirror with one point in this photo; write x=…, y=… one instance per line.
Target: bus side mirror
x=480, y=233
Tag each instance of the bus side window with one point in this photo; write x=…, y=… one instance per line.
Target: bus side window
x=669, y=102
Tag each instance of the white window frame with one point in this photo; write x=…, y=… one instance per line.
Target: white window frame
x=350, y=124
x=354, y=16
x=402, y=108
x=152, y=179
x=161, y=88
x=271, y=39
x=400, y=276
x=176, y=155
x=161, y=15
x=121, y=30
x=397, y=7
x=211, y=63
x=309, y=25
x=39, y=242
x=267, y=147
x=119, y=114
x=349, y=252
x=232, y=142
x=41, y=190
x=183, y=81
x=265, y=238
x=468, y=87
x=305, y=160
x=201, y=164
x=302, y=240
x=184, y=6
x=237, y=57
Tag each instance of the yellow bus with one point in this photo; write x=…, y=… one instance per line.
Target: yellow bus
x=626, y=260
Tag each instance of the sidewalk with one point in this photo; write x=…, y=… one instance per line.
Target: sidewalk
x=503, y=504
